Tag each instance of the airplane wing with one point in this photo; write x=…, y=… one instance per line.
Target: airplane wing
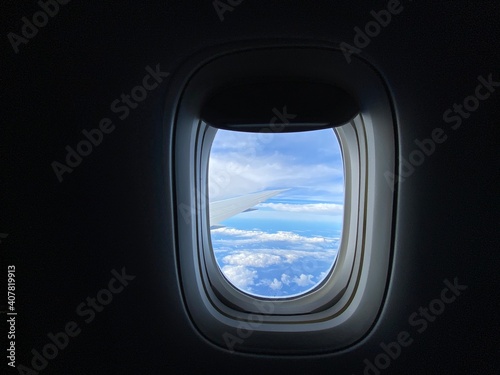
x=226, y=208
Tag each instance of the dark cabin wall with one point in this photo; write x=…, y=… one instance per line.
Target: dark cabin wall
x=112, y=211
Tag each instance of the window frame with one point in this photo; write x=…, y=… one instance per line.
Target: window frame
x=370, y=138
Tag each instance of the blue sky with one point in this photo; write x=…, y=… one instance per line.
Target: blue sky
x=288, y=245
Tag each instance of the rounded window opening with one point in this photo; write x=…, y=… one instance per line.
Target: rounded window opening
x=276, y=209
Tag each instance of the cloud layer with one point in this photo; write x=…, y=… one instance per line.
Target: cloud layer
x=240, y=236
x=283, y=263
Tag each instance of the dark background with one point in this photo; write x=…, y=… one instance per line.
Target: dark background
x=111, y=211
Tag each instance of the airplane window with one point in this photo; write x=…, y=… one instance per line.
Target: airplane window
x=276, y=209
x=283, y=231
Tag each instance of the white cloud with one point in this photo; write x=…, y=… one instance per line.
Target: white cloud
x=240, y=276
x=275, y=284
x=304, y=280
x=254, y=259
x=252, y=236
x=285, y=279
x=268, y=257
x=315, y=208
